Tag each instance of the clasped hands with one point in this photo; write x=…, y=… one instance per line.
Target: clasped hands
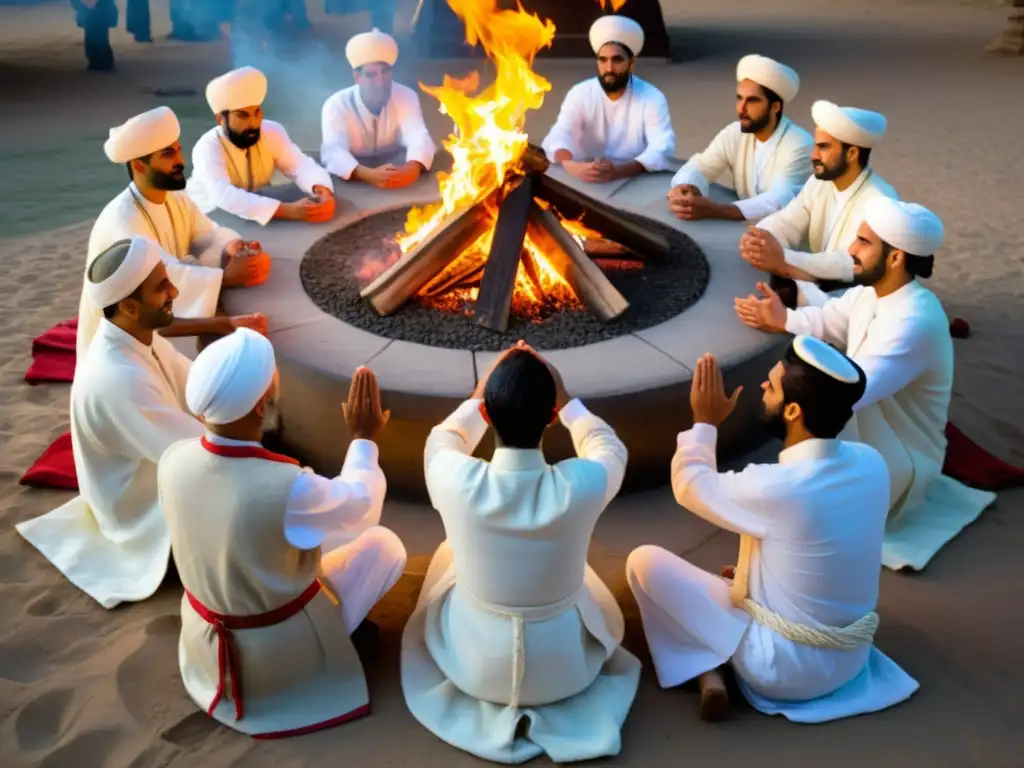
x=389, y=176
x=594, y=171
x=760, y=249
x=245, y=264
x=688, y=203
x=315, y=209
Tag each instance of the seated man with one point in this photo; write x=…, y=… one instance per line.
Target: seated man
x=798, y=620
x=615, y=125
x=205, y=257
x=127, y=406
x=374, y=131
x=768, y=155
x=897, y=331
x=239, y=156
x=514, y=647
x=267, y=547
x=824, y=216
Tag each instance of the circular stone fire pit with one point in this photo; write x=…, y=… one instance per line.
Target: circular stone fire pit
x=638, y=380
x=657, y=290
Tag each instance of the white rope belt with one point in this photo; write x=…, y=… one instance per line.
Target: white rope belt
x=861, y=632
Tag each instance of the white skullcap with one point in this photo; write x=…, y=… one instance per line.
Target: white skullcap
x=142, y=258
x=908, y=226
x=859, y=127
x=370, y=47
x=769, y=73
x=228, y=377
x=826, y=358
x=616, y=29
x=142, y=135
x=239, y=88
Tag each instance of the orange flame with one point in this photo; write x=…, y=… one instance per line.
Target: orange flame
x=614, y=5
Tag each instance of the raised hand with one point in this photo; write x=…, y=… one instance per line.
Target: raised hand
x=766, y=312
x=707, y=393
x=363, y=414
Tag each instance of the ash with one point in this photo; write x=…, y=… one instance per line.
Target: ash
x=342, y=263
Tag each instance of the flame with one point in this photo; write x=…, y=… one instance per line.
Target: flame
x=614, y=5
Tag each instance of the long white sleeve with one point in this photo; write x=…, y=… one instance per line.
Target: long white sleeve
x=571, y=116
x=892, y=356
x=415, y=137
x=661, y=138
x=344, y=506
x=791, y=225
x=707, y=166
x=210, y=172
x=335, y=148
x=787, y=182
x=289, y=159
x=462, y=432
x=825, y=265
x=208, y=237
x=594, y=440
x=829, y=322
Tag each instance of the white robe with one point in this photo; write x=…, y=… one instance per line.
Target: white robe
x=636, y=126
x=819, y=515
x=902, y=342
x=127, y=407
x=352, y=134
x=512, y=623
x=767, y=175
x=226, y=177
x=192, y=242
x=817, y=228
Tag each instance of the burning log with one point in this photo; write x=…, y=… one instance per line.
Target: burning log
x=613, y=224
x=534, y=159
x=499, y=281
x=417, y=267
x=586, y=278
x=466, y=274
x=532, y=272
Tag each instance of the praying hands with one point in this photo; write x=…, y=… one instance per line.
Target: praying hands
x=766, y=313
x=762, y=250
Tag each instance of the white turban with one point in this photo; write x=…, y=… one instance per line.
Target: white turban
x=908, y=226
x=826, y=358
x=370, y=47
x=616, y=29
x=142, y=135
x=851, y=125
x=228, y=377
x=142, y=258
x=769, y=73
x=239, y=88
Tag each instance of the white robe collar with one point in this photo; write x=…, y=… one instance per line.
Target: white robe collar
x=518, y=459
x=810, y=450
x=121, y=338
x=218, y=440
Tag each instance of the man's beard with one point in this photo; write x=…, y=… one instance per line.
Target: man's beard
x=243, y=139
x=824, y=173
x=153, y=318
x=168, y=182
x=773, y=422
x=613, y=83
x=872, y=276
x=753, y=126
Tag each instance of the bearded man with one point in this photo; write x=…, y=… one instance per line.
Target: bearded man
x=613, y=126
x=768, y=155
x=241, y=154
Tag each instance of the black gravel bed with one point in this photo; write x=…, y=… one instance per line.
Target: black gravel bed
x=658, y=292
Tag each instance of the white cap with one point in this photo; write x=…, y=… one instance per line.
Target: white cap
x=237, y=89
x=142, y=135
x=908, y=226
x=769, y=73
x=370, y=47
x=826, y=358
x=142, y=258
x=616, y=29
x=228, y=377
x=859, y=127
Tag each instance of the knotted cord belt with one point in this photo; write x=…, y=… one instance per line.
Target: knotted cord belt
x=227, y=653
x=861, y=632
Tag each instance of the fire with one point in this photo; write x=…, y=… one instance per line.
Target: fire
x=613, y=4
x=488, y=141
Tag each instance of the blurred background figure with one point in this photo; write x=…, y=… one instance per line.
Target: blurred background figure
x=97, y=17
x=136, y=20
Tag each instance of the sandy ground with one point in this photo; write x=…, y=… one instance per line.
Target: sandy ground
x=82, y=685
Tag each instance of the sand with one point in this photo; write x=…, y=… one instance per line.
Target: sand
x=82, y=685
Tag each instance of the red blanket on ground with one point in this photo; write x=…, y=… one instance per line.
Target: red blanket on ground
x=53, y=354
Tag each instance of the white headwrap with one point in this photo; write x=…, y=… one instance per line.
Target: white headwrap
x=769, y=73
x=859, y=127
x=908, y=226
x=826, y=358
x=369, y=47
x=142, y=135
x=228, y=377
x=239, y=88
x=142, y=258
x=616, y=29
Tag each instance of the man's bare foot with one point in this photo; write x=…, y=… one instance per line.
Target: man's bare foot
x=714, y=699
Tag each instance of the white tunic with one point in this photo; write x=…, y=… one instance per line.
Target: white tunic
x=902, y=342
x=226, y=177
x=636, y=126
x=819, y=515
x=353, y=134
x=512, y=623
x=193, y=243
x=127, y=407
x=767, y=175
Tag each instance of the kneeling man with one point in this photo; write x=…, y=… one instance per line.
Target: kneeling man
x=897, y=331
x=514, y=647
x=127, y=407
x=798, y=620
x=279, y=565
x=240, y=155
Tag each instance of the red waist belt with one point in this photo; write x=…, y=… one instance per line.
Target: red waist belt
x=227, y=653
